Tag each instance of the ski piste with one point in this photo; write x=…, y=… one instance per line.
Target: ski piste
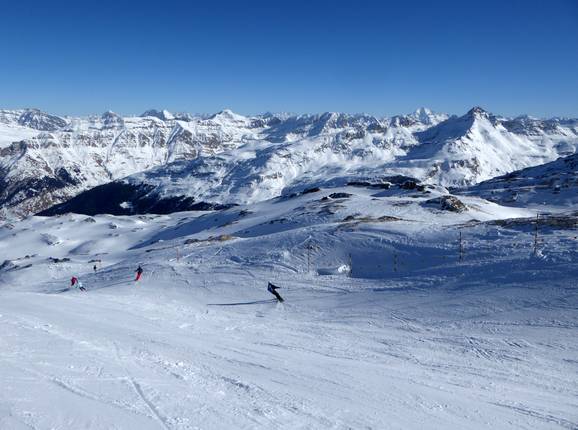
x=440, y=322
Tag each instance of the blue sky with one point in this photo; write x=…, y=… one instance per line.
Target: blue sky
x=378, y=57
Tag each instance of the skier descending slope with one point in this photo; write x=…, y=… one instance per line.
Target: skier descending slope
x=138, y=273
x=74, y=282
x=272, y=289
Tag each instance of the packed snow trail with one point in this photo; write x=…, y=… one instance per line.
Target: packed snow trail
x=155, y=356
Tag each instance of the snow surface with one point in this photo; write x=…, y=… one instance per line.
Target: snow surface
x=410, y=337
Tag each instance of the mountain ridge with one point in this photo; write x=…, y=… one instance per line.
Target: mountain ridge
x=264, y=154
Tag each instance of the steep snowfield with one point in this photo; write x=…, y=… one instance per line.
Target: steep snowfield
x=384, y=326
x=250, y=159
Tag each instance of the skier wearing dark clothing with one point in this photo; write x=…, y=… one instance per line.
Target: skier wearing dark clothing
x=94, y=268
x=138, y=273
x=273, y=290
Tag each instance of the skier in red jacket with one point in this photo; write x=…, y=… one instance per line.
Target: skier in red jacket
x=138, y=273
x=74, y=282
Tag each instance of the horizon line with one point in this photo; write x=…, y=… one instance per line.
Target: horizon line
x=289, y=113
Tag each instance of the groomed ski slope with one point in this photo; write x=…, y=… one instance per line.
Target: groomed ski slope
x=414, y=338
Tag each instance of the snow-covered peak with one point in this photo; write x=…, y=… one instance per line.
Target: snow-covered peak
x=418, y=120
x=109, y=115
x=478, y=146
x=282, y=116
x=183, y=116
x=428, y=117
x=111, y=119
x=36, y=119
x=163, y=115
x=454, y=127
x=423, y=114
x=228, y=116
x=478, y=112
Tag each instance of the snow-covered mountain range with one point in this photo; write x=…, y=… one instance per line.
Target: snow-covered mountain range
x=228, y=158
x=46, y=159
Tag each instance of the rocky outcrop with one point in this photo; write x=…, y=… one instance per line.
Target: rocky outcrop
x=447, y=203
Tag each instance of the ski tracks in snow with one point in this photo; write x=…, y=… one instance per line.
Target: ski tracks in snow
x=140, y=393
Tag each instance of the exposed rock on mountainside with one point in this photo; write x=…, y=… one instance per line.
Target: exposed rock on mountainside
x=447, y=203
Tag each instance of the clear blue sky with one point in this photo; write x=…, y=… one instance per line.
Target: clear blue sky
x=80, y=57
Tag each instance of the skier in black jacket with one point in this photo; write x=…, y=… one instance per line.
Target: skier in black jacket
x=272, y=289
